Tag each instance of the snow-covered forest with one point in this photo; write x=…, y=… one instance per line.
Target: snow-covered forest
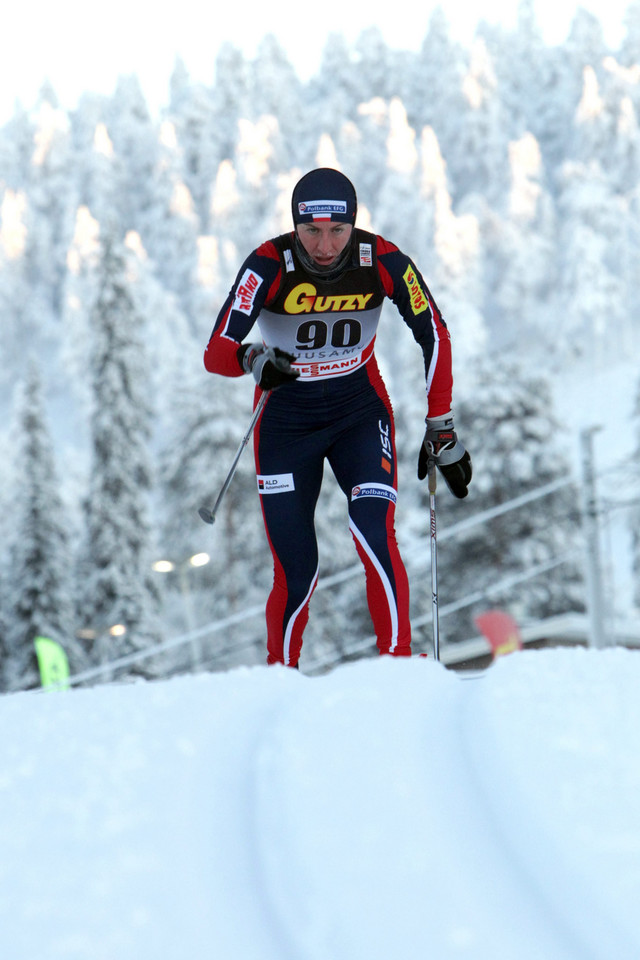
x=509, y=170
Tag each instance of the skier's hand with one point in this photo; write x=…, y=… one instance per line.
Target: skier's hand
x=442, y=447
x=270, y=366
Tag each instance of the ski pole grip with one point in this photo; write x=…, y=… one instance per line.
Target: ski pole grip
x=431, y=473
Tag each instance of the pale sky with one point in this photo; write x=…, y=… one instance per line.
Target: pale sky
x=80, y=45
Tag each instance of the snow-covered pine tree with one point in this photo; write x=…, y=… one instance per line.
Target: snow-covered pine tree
x=136, y=151
x=630, y=47
x=244, y=193
x=276, y=90
x=230, y=99
x=116, y=586
x=16, y=149
x=479, y=162
x=191, y=112
x=431, y=82
x=34, y=235
x=79, y=292
x=519, y=447
x=452, y=247
x=594, y=124
x=169, y=227
x=365, y=156
x=5, y=596
x=522, y=66
x=101, y=179
x=334, y=93
x=19, y=325
x=374, y=65
x=6, y=536
x=209, y=418
x=592, y=294
x=52, y=200
x=585, y=45
x=173, y=341
x=635, y=487
x=625, y=156
x=41, y=591
x=396, y=199
x=525, y=253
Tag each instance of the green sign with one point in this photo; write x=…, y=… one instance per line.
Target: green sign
x=53, y=663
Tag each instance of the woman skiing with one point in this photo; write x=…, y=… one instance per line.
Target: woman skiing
x=316, y=295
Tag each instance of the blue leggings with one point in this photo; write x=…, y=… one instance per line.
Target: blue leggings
x=349, y=422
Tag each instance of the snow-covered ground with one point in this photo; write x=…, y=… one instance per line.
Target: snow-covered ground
x=390, y=809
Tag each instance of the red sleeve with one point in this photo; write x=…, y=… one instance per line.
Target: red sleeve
x=403, y=283
x=256, y=284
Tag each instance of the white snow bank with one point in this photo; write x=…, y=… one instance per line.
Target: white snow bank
x=389, y=809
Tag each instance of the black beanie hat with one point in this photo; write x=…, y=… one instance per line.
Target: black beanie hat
x=324, y=194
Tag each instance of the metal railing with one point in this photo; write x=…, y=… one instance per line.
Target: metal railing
x=411, y=556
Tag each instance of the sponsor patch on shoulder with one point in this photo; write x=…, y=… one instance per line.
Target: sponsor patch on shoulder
x=374, y=490
x=419, y=302
x=275, y=483
x=365, y=255
x=246, y=292
x=288, y=261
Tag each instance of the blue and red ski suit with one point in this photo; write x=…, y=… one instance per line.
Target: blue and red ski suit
x=337, y=410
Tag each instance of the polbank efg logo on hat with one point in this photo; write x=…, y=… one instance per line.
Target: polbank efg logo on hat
x=322, y=208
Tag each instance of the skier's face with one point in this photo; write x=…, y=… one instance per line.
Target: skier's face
x=324, y=241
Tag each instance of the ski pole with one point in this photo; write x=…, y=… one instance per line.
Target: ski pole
x=434, y=559
x=208, y=514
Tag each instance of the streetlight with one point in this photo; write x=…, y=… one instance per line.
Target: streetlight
x=168, y=566
x=199, y=559
x=182, y=568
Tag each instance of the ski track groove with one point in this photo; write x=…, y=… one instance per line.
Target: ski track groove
x=236, y=880
x=279, y=944
x=490, y=792
x=473, y=817
x=474, y=861
x=582, y=927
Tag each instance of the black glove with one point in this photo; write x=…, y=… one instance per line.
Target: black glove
x=270, y=366
x=442, y=447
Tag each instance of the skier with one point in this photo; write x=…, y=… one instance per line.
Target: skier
x=316, y=294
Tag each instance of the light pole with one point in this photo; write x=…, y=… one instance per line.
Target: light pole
x=182, y=569
x=595, y=593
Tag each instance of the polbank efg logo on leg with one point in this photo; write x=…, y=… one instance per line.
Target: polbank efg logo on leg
x=374, y=490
